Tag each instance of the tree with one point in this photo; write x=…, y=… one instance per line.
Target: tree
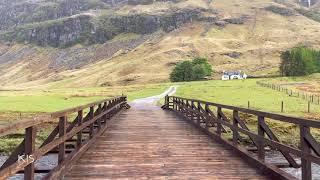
x=205, y=65
x=198, y=72
x=193, y=70
x=182, y=72
x=300, y=61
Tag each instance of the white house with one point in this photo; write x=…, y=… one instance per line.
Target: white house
x=229, y=75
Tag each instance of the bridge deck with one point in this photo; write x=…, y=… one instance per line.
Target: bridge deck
x=156, y=144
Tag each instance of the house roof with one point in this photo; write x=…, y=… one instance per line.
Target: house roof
x=229, y=73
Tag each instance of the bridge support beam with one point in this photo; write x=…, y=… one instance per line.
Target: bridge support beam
x=305, y=164
x=29, y=147
x=62, y=132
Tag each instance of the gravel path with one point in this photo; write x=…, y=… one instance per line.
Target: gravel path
x=152, y=101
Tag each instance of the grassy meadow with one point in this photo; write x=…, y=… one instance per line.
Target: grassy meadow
x=17, y=104
x=239, y=92
x=22, y=103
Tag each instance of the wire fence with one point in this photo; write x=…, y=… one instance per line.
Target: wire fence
x=309, y=97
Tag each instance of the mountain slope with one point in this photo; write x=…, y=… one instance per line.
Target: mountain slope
x=237, y=34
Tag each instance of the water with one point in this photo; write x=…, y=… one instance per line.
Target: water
x=277, y=157
x=46, y=162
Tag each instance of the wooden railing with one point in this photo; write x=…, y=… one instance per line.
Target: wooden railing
x=215, y=122
x=79, y=133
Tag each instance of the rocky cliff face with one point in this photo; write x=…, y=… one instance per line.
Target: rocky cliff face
x=53, y=33
x=19, y=12
x=87, y=30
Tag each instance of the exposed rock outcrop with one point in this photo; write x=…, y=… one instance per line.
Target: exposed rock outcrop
x=82, y=28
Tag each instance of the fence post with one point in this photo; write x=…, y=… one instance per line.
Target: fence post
x=219, y=118
x=62, y=132
x=261, y=150
x=79, y=134
x=235, y=125
x=207, y=113
x=308, y=106
x=166, y=102
x=305, y=148
x=248, y=104
x=99, y=112
x=91, y=117
x=29, y=147
x=282, y=106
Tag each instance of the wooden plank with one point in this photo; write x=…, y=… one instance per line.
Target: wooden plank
x=235, y=133
x=272, y=136
x=29, y=147
x=265, y=168
x=14, y=156
x=261, y=145
x=79, y=134
x=305, y=163
x=312, y=142
x=15, y=167
x=62, y=132
x=59, y=171
x=76, y=109
x=91, y=116
x=131, y=149
x=25, y=123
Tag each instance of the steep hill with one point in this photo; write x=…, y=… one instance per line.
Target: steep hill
x=105, y=43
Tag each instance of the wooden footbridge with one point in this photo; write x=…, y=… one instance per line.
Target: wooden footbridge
x=188, y=139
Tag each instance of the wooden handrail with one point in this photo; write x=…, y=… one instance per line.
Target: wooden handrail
x=45, y=118
x=94, y=121
x=199, y=113
x=76, y=109
x=284, y=118
x=25, y=123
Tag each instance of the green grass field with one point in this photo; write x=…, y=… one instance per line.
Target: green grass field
x=239, y=92
x=236, y=92
x=14, y=104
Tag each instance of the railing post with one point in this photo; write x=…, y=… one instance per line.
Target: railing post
x=199, y=110
x=193, y=117
x=79, y=134
x=177, y=104
x=99, y=112
x=166, y=102
x=104, y=108
x=29, y=147
x=219, y=118
x=62, y=132
x=235, y=125
x=260, y=143
x=207, y=113
x=305, y=148
x=91, y=116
